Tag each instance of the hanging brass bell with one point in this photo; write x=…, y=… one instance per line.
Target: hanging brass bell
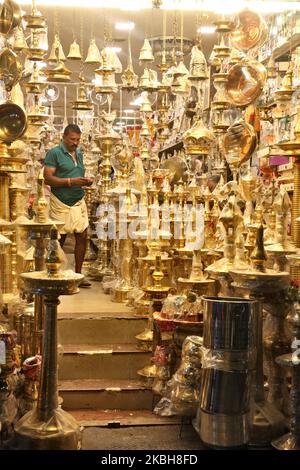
x=74, y=52
x=57, y=54
x=146, y=52
x=93, y=55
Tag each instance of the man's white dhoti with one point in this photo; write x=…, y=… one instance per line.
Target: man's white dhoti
x=75, y=217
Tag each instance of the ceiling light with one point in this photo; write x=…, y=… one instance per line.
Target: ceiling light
x=206, y=29
x=216, y=6
x=137, y=101
x=129, y=26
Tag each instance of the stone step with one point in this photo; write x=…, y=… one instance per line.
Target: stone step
x=101, y=328
x=119, y=418
x=107, y=361
x=105, y=394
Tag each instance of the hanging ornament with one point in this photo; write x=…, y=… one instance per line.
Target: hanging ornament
x=93, y=55
x=146, y=54
x=19, y=40
x=57, y=54
x=74, y=52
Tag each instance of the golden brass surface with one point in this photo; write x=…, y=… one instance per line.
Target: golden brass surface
x=12, y=122
x=17, y=14
x=245, y=82
x=249, y=30
x=10, y=68
x=74, y=53
x=242, y=137
x=59, y=74
x=47, y=426
x=6, y=17
x=198, y=140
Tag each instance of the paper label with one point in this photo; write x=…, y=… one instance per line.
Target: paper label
x=2, y=353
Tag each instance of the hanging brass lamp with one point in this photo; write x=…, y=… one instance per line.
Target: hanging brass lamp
x=199, y=139
x=19, y=40
x=10, y=68
x=146, y=54
x=35, y=85
x=59, y=74
x=82, y=103
x=35, y=20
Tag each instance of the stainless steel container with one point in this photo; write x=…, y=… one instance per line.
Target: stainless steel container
x=227, y=369
x=228, y=323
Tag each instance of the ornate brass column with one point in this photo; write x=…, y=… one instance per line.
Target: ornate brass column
x=48, y=427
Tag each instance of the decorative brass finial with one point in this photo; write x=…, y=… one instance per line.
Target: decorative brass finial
x=53, y=260
x=41, y=216
x=258, y=256
x=157, y=274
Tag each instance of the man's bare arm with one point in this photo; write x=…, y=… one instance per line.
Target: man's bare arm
x=54, y=181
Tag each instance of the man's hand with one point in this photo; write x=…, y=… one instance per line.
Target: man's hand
x=89, y=181
x=81, y=181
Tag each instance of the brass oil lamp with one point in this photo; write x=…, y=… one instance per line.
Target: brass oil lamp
x=47, y=426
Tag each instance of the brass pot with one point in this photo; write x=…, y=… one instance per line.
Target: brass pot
x=250, y=30
x=12, y=122
x=16, y=11
x=241, y=137
x=6, y=18
x=245, y=82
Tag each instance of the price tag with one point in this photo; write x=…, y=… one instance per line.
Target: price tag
x=2, y=353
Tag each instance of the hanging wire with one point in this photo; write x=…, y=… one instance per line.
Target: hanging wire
x=121, y=102
x=164, y=29
x=73, y=25
x=181, y=32
x=56, y=24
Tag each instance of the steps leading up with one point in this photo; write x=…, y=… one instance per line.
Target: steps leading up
x=104, y=394
x=100, y=328
x=98, y=368
x=118, y=418
x=109, y=361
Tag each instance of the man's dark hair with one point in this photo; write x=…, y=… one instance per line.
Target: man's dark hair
x=72, y=128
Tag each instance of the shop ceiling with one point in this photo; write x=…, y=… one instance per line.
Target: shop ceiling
x=85, y=22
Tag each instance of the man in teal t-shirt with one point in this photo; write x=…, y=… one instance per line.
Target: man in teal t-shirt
x=64, y=173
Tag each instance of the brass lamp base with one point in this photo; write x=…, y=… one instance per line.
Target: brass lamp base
x=120, y=294
x=98, y=273
x=61, y=432
x=203, y=287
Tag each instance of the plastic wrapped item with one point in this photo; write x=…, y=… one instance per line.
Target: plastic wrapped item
x=165, y=408
x=184, y=387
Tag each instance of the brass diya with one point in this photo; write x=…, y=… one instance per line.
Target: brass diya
x=245, y=82
x=12, y=122
x=242, y=136
x=249, y=30
x=10, y=68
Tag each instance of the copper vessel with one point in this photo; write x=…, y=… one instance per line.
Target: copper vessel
x=249, y=30
x=242, y=138
x=245, y=82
